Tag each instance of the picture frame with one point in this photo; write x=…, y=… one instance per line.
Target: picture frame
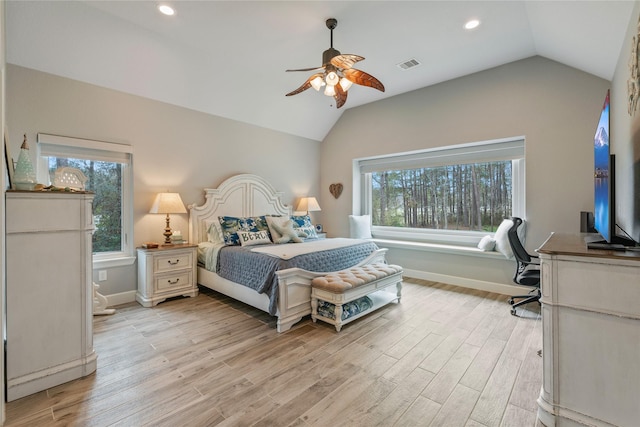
x=8, y=162
x=319, y=228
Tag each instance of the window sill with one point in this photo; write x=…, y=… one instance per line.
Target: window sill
x=439, y=247
x=113, y=262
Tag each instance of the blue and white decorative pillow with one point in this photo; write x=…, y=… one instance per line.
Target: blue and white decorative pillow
x=302, y=223
x=230, y=225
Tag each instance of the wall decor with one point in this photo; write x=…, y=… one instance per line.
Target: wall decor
x=336, y=189
x=633, y=84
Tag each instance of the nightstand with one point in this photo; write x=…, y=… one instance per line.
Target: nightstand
x=166, y=271
x=322, y=235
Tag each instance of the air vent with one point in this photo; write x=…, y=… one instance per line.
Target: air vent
x=411, y=63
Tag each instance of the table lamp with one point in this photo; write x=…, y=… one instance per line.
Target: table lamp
x=308, y=204
x=168, y=203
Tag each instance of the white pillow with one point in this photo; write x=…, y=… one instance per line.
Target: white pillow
x=279, y=220
x=360, y=226
x=502, y=240
x=214, y=232
x=487, y=243
x=250, y=238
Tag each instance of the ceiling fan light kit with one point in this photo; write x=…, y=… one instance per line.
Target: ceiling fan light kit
x=336, y=74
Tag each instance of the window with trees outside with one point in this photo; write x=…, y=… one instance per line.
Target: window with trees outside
x=452, y=194
x=108, y=169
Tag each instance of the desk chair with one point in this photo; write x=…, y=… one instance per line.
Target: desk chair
x=527, y=269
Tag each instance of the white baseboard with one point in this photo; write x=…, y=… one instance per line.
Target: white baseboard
x=499, y=288
x=121, y=298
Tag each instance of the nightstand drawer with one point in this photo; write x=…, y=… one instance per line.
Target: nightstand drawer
x=171, y=262
x=169, y=282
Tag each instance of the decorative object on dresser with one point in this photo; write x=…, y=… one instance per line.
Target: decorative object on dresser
x=68, y=177
x=308, y=204
x=336, y=189
x=168, y=203
x=49, y=294
x=165, y=272
x=25, y=173
x=318, y=228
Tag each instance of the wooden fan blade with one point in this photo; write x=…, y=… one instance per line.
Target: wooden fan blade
x=340, y=96
x=345, y=61
x=307, y=69
x=306, y=85
x=361, y=78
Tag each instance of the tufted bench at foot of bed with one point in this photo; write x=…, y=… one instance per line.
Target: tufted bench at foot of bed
x=354, y=292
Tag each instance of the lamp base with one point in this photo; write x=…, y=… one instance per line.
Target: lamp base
x=167, y=234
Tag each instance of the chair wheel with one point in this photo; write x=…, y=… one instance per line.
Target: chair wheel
x=513, y=311
x=510, y=300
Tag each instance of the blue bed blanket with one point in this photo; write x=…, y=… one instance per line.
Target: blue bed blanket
x=258, y=271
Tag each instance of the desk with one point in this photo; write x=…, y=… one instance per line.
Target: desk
x=591, y=334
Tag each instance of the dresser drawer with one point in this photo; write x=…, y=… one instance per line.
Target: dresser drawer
x=171, y=262
x=177, y=280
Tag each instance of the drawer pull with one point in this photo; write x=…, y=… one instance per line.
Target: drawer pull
x=173, y=282
x=173, y=263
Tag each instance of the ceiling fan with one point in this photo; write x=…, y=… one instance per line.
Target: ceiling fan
x=336, y=74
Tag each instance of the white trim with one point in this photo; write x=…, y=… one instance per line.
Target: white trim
x=91, y=144
x=438, y=247
x=475, y=152
x=120, y=298
x=498, y=288
x=121, y=261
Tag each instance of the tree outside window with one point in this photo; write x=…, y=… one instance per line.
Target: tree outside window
x=105, y=180
x=466, y=197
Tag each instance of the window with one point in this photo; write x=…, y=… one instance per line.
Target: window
x=452, y=194
x=108, y=169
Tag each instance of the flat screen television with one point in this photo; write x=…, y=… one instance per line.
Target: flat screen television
x=603, y=176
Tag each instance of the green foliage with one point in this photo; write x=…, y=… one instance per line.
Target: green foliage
x=105, y=180
x=453, y=197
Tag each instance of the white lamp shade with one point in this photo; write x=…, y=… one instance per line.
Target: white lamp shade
x=332, y=78
x=168, y=203
x=308, y=204
x=345, y=84
x=330, y=90
x=317, y=83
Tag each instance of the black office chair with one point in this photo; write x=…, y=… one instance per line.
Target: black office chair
x=527, y=269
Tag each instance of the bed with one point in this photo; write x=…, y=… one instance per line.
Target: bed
x=248, y=195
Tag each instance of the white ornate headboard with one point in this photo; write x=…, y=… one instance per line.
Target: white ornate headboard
x=241, y=195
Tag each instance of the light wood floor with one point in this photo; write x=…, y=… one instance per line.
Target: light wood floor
x=445, y=356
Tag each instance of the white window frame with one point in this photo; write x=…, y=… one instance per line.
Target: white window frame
x=494, y=150
x=64, y=146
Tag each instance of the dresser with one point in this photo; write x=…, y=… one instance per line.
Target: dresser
x=166, y=271
x=49, y=329
x=591, y=334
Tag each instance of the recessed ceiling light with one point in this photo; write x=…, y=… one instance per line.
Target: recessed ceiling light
x=167, y=10
x=471, y=24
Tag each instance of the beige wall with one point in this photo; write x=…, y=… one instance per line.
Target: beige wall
x=555, y=107
x=625, y=139
x=175, y=148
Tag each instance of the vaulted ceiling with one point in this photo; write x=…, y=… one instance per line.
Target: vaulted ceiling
x=228, y=58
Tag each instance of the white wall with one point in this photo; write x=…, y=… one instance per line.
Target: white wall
x=625, y=138
x=175, y=148
x=554, y=106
